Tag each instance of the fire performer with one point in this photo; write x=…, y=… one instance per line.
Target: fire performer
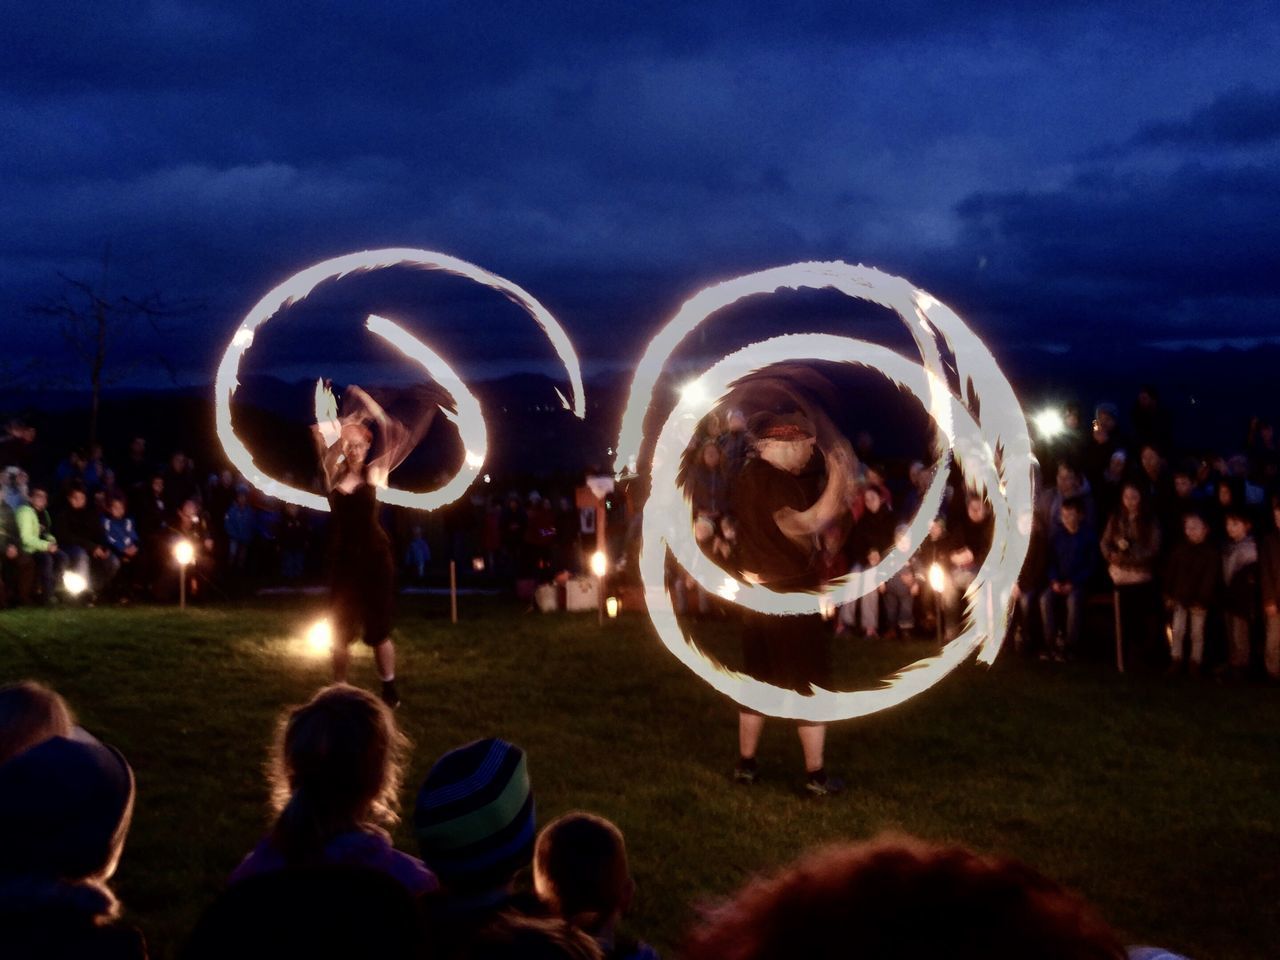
x=361, y=564
x=782, y=507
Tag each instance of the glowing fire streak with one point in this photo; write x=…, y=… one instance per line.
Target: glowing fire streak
x=469, y=419
x=1007, y=481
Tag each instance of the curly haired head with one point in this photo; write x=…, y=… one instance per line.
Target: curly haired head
x=336, y=766
x=896, y=898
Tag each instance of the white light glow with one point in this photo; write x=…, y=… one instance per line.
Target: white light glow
x=937, y=578
x=599, y=563
x=1049, y=423
x=183, y=552
x=319, y=638
x=468, y=419
x=74, y=583
x=1007, y=482
x=611, y=607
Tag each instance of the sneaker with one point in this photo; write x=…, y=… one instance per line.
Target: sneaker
x=824, y=786
x=390, y=696
x=746, y=773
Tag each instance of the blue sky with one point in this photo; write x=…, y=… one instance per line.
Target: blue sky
x=1055, y=174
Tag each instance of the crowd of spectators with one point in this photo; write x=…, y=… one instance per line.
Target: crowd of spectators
x=325, y=879
x=1179, y=548
x=88, y=531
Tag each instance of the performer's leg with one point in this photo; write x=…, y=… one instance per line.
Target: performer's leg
x=813, y=738
x=341, y=656
x=750, y=727
x=384, y=654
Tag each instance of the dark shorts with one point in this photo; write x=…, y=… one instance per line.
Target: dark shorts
x=362, y=601
x=793, y=653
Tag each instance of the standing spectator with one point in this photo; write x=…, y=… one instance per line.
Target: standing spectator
x=136, y=471
x=16, y=442
x=240, y=525
x=1151, y=423
x=180, y=481
x=1130, y=545
x=970, y=536
x=95, y=470
x=1240, y=576
x=192, y=526
x=1072, y=559
x=417, y=555
x=1269, y=575
x=1032, y=584
x=70, y=471
x=15, y=487
x=1191, y=580
x=35, y=530
x=80, y=536
x=872, y=536
x=901, y=591
x=293, y=544
x=1103, y=442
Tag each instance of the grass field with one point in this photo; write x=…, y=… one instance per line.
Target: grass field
x=1158, y=799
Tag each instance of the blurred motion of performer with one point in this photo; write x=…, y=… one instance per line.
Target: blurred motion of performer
x=361, y=564
x=782, y=506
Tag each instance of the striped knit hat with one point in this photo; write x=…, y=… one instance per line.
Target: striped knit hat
x=474, y=816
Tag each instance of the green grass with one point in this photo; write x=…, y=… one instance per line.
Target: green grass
x=1157, y=799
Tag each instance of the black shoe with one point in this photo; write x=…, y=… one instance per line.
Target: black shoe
x=389, y=694
x=823, y=785
x=746, y=773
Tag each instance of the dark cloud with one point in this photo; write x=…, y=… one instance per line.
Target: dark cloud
x=1243, y=117
x=614, y=158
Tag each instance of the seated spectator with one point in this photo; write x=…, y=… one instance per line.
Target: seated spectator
x=65, y=808
x=474, y=821
x=1072, y=559
x=903, y=898
x=1269, y=575
x=335, y=776
x=17, y=569
x=515, y=937
x=1191, y=580
x=1240, y=578
x=80, y=536
x=580, y=873
x=35, y=531
x=122, y=540
x=325, y=912
x=192, y=526
x=31, y=713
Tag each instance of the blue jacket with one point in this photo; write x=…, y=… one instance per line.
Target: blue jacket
x=240, y=523
x=1072, y=556
x=120, y=534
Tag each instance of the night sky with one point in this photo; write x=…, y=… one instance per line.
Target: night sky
x=1103, y=169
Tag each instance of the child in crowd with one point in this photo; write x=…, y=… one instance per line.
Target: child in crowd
x=66, y=802
x=1072, y=558
x=900, y=592
x=1240, y=576
x=580, y=873
x=1191, y=581
x=335, y=776
x=31, y=713
x=474, y=820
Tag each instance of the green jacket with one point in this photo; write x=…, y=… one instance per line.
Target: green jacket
x=31, y=529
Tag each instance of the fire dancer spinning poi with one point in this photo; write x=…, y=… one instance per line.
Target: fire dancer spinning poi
x=362, y=568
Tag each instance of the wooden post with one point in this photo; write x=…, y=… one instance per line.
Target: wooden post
x=182, y=586
x=1115, y=605
x=453, y=591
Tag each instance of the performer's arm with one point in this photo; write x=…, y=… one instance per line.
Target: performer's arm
x=802, y=525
